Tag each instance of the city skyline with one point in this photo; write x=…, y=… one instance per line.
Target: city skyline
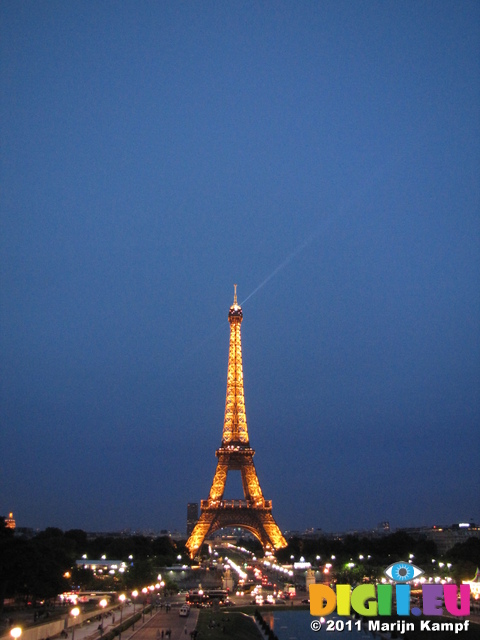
x=465, y=528
x=324, y=157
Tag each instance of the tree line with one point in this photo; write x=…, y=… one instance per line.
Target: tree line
x=379, y=552
x=39, y=568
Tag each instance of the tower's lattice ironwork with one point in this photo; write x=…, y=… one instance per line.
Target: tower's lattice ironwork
x=254, y=513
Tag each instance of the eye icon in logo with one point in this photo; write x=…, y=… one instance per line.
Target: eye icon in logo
x=403, y=572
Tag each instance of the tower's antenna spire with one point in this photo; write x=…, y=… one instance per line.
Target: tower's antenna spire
x=235, y=294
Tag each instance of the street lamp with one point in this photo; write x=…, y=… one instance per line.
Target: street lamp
x=16, y=632
x=122, y=598
x=144, y=591
x=134, y=596
x=103, y=603
x=161, y=584
x=75, y=612
x=151, y=588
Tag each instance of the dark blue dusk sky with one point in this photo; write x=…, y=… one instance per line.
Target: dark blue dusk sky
x=325, y=157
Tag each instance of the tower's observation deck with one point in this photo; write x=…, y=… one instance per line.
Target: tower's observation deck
x=254, y=512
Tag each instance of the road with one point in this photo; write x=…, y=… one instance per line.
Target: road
x=162, y=621
x=149, y=627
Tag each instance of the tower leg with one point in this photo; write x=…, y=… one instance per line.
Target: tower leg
x=219, y=480
x=200, y=532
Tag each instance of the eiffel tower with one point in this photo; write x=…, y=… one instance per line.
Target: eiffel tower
x=254, y=513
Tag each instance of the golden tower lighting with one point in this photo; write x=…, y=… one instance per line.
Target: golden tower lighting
x=253, y=513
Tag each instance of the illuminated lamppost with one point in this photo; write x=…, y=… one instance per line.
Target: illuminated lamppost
x=103, y=603
x=16, y=632
x=151, y=588
x=134, y=596
x=144, y=591
x=160, y=585
x=122, y=598
x=75, y=612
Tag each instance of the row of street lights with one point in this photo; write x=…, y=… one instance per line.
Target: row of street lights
x=16, y=632
x=75, y=612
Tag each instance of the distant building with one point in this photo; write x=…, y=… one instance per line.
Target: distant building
x=192, y=516
x=102, y=566
x=446, y=537
x=10, y=521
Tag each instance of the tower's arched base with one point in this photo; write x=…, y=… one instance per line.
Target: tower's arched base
x=236, y=513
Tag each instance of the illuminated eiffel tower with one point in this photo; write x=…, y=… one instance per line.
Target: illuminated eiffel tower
x=254, y=513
